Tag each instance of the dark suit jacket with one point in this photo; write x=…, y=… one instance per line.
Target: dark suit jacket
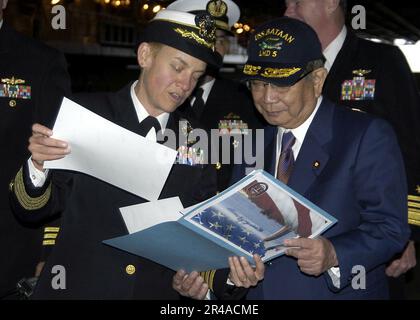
x=396, y=97
x=227, y=100
x=91, y=214
x=45, y=71
x=361, y=182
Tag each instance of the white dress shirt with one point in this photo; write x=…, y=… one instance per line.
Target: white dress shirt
x=299, y=133
x=143, y=114
x=332, y=50
x=206, y=91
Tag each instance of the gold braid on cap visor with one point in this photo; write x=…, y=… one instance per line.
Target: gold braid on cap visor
x=192, y=35
x=269, y=72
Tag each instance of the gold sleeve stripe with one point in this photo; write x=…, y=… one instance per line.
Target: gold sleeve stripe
x=414, y=215
x=210, y=283
x=48, y=242
x=205, y=276
x=413, y=204
x=413, y=210
x=414, y=222
x=50, y=235
x=51, y=229
x=208, y=277
x=26, y=201
x=413, y=198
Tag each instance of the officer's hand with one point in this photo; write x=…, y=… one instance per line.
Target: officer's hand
x=43, y=147
x=190, y=285
x=404, y=263
x=242, y=274
x=315, y=256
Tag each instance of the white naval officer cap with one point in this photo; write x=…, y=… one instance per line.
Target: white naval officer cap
x=224, y=12
x=194, y=34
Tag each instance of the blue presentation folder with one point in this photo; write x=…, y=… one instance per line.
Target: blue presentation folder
x=176, y=247
x=189, y=245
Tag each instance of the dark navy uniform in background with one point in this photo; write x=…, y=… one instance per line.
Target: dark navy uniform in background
x=375, y=78
x=226, y=106
x=229, y=109
x=33, y=81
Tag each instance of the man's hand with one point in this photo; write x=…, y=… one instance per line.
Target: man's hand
x=190, y=285
x=315, y=256
x=242, y=274
x=43, y=147
x=404, y=263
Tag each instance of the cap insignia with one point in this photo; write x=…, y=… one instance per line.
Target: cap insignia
x=271, y=43
x=217, y=8
x=207, y=31
x=207, y=26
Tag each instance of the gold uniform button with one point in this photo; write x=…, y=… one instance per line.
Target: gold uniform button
x=12, y=103
x=130, y=269
x=11, y=186
x=218, y=166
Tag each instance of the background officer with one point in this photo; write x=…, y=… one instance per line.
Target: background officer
x=33, y=81
x=219, y=103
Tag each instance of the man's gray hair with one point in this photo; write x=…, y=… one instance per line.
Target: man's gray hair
x=315, y=64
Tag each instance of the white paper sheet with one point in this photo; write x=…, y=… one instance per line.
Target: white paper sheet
x=188, y=209
x=142, y=216
x=111, y=153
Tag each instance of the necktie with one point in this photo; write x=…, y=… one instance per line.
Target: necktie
x=198, y=105
x=286, y=160
x=147, y=124
x=284, y=169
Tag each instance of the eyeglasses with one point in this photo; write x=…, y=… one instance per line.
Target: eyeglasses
x=258, y=85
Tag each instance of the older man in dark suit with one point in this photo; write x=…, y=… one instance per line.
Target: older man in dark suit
x=374, y=78
x=348, y=163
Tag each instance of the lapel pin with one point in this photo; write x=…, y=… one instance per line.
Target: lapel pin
x=316, y=164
